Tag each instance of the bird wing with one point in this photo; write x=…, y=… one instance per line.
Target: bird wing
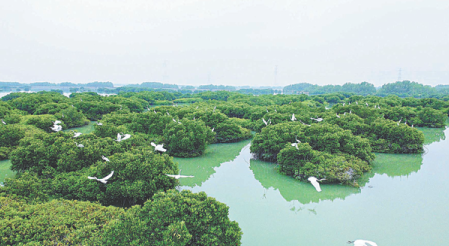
x=126, y=136
x=315, y=183
x=108, y=177
x=184, y=176
x=264, y=121
x=153, y=144
x=57, y=122
x=89, y=177
x=172, y=176
x=119, y=137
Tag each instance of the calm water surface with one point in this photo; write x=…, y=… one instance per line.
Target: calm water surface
x=402, y=201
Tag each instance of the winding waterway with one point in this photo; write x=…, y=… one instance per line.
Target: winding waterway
x=402, y=201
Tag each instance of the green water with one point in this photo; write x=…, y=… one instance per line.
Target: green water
x=401, y=201
x=84, y=129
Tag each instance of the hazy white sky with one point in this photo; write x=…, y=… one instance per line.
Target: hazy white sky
x=225, y=41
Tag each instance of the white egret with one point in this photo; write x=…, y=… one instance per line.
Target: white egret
x=360, y=242
x=350, y=111
x=168, y=113
x=179, y=176
x=317, y=119
x=81, y=99
x=4, y=123
x=99, y=123
x=104, y=158
x=122, y=137
x=265, y=122
x=343, y=104
x=213, y=129
x=79, y=145
x=155, y=111
x=196, y=107
x=158, y=147
x=338, y=116
x=367, y=104
x=103, y=180
x=275, y=110
x=315, y=183
x=120, y=107
x=57, y=122
x=356, y=103
x=62, y=115
x=56, y=128
x=293, y=117
x=214, y=109
x=174, y=120
x=267, y=110
x=77, y=134
x=296, y=144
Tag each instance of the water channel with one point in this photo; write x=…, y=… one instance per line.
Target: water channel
x=402, y=201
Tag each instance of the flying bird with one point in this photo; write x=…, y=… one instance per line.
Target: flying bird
x=77, y=134
x=265, y=122
x=315, y=183
x=121, y=138
x=293, y=117
x=104, y=158
x=158, y=147
x=179, y=176
x=360, y=242
x=103, y=180
x=296, y=144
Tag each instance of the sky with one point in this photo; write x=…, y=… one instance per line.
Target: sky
x=227, y=42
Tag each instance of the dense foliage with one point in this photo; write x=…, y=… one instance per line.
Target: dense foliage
x=331, y=136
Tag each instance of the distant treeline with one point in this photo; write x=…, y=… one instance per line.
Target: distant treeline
x=400, y=88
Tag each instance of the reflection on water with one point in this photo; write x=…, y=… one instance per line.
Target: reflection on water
x=83, y=129
x=432, y=135
x=403, y=201
x=203, y=167
x=292, y=189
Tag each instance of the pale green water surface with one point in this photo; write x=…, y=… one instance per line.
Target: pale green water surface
x=402, y=201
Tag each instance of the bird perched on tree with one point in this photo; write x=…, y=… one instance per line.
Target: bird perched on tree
x=104, y=158
x=77, y=134
x=79, y=145
x=103, y=180
x=315, y=183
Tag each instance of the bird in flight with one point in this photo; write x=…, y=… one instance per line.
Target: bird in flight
x=158, y=147
x=360, y=242
x=315, y=183
x=179, y=176
x=103, y=180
